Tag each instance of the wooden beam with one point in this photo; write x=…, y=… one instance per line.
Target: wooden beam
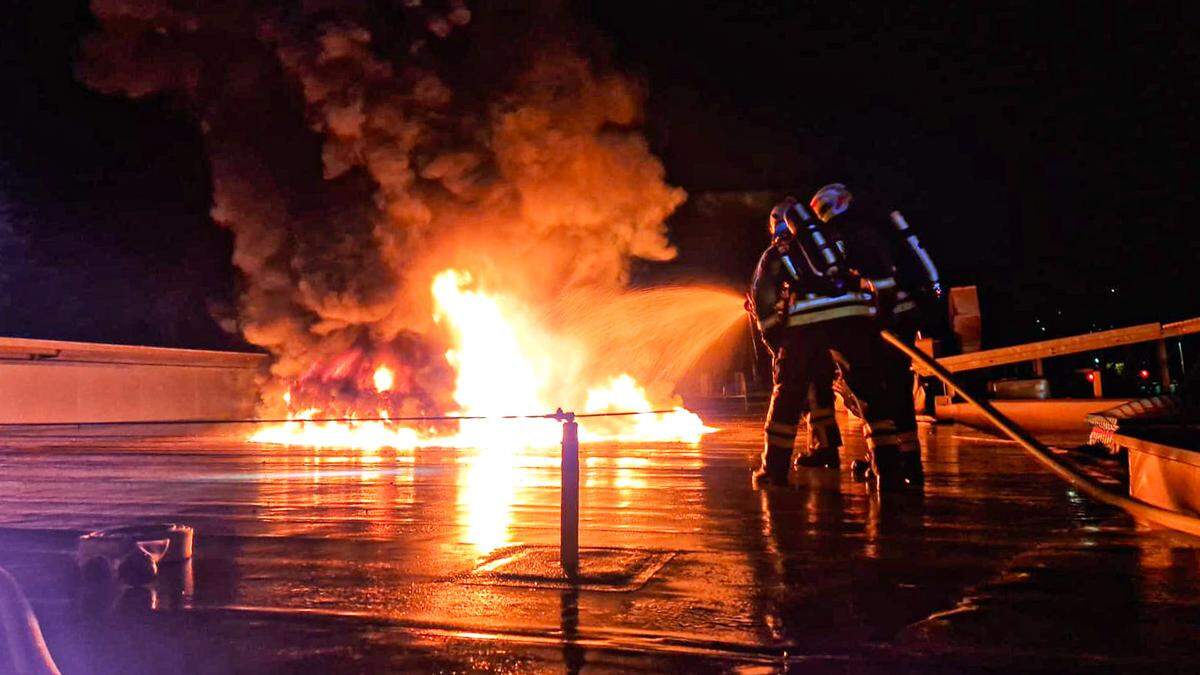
x=1076, y=344
x=1178, y=328
x=1047, y=348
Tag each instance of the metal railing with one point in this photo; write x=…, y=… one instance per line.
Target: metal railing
x=1075, y=344
x=1182, y=522
x=27, y=349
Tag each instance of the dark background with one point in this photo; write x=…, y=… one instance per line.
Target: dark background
x=1043, y=150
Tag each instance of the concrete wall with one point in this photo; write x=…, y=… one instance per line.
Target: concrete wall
x=53, y=381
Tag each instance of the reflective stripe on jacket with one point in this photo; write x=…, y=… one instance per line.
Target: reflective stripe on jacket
x=814, y=308
x=891, y=294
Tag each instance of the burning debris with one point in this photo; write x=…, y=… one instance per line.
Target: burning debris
x=507, y=362
x=414, y=212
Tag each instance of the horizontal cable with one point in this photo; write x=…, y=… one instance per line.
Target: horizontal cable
x=560, y=416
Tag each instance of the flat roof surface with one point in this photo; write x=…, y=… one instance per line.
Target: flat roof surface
x=344, y=561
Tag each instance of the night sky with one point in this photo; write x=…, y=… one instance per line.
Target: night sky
x=1043, y=151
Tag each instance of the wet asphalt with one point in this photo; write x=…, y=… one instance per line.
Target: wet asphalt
x=343, y=561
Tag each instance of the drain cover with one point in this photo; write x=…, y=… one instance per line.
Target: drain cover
x=600, y=569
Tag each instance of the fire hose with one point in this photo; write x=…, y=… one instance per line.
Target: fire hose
x=22, y=647
x=1135, y=507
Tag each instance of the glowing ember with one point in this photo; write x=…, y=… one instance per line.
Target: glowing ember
x=507, y=364
x=384, y=379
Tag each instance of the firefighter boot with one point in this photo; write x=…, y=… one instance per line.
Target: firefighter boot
x=886, y=472
x=779, y=439
x=767, y=476
x=821, y=451
x=819, y=458
x=910, y=456
x=774, y=467
x=824, y=438
x=910, y=467
x=861, y=468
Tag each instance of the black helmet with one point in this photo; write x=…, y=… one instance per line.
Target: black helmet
x=786, y=218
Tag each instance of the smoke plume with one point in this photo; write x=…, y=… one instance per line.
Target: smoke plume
x=357, y=148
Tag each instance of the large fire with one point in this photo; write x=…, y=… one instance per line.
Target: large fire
x=508, y=365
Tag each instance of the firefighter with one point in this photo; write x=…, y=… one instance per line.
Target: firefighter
x=907, y=286
x=811, y=307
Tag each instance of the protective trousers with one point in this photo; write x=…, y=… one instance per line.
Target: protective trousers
x=898, y=382
x=823, y=433
x=803, y=374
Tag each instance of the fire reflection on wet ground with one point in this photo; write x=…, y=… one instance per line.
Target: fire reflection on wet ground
x=348, y=560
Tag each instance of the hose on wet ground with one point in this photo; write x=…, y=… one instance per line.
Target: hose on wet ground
x=1174, y=520
x=22, y=647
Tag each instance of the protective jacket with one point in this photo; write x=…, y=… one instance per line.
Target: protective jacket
x=784, y=294
x=900, y=271
x=873, y=259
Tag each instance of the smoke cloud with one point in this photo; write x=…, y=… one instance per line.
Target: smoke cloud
x=357, y=148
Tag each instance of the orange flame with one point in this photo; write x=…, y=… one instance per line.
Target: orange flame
x=507, y=364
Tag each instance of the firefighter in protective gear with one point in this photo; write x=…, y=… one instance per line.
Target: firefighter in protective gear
x=808, y=301
x=905, y=281
x=823, y=436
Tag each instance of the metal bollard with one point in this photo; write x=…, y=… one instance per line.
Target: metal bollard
x=569, y=510
x=1164, y=367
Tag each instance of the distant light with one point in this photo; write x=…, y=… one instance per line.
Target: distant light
x=1091, y=376
x=1096, y=361
x=1144, y=374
